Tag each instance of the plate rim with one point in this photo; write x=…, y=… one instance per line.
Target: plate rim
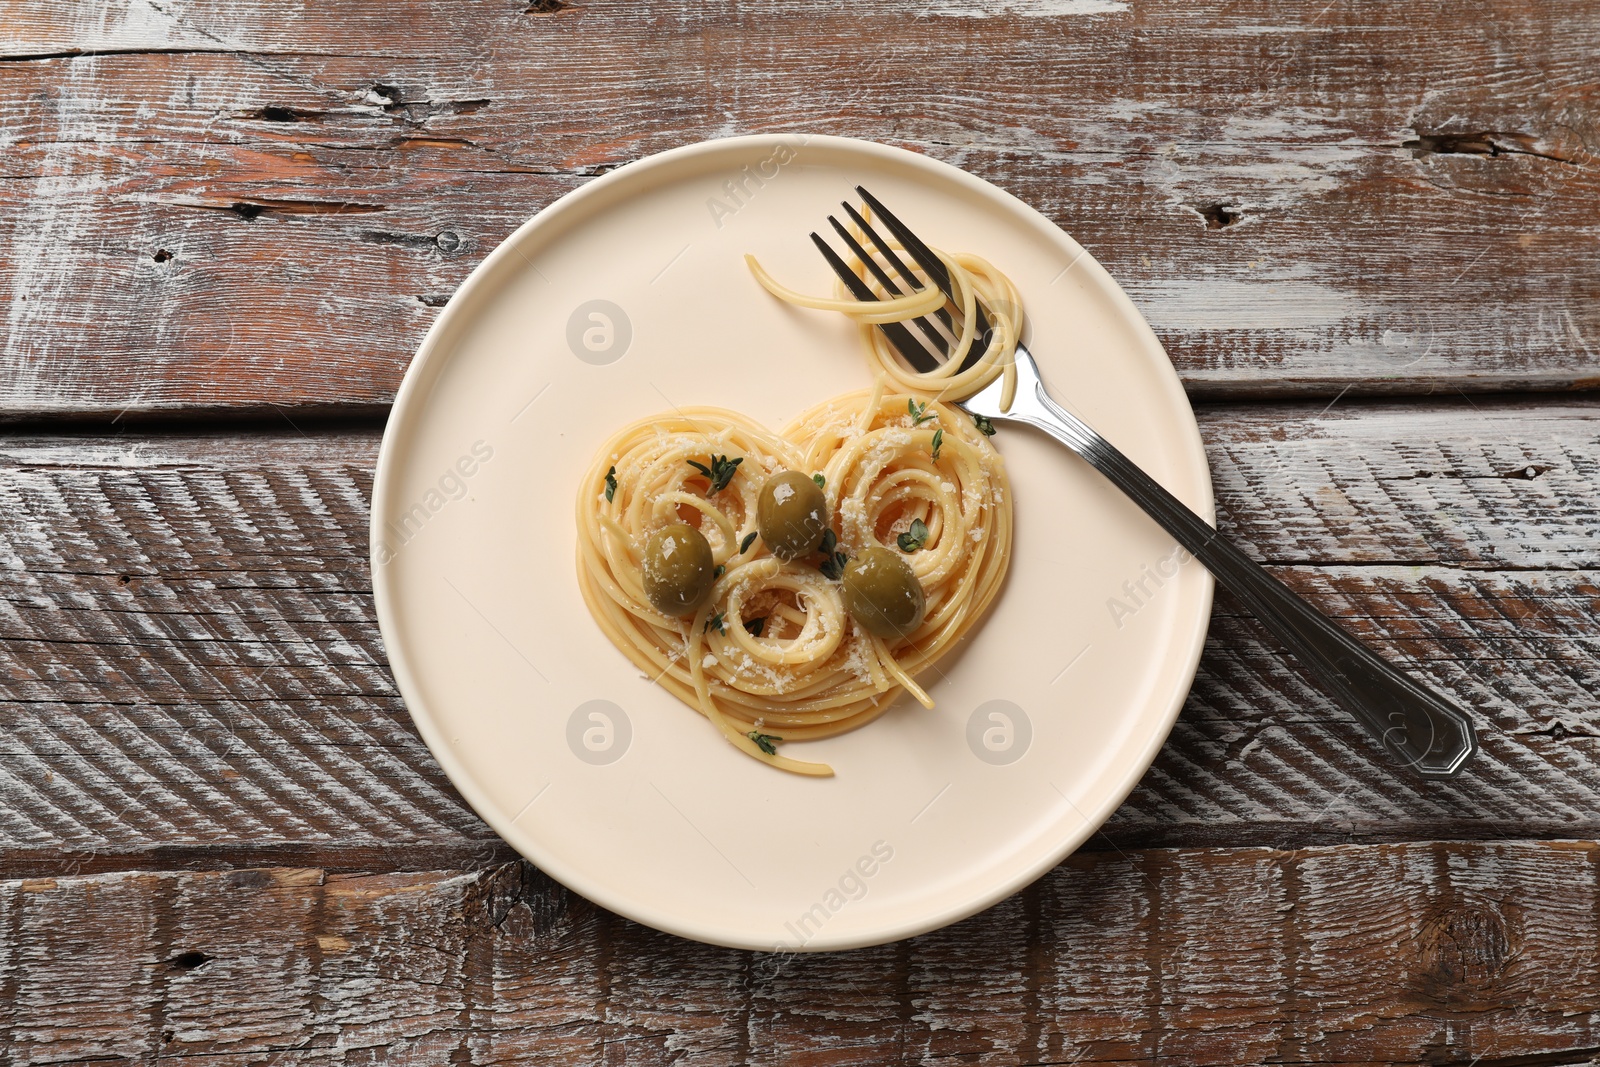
x=408, y=407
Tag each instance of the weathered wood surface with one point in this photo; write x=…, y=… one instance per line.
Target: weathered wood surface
x=214, y=207
x=193, y=670
x=1469, y=953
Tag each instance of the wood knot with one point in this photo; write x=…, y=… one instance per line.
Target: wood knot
x=1463, y=950
x=388, y=97
x=1218, y=216
x=188, y=961
x=522, y=902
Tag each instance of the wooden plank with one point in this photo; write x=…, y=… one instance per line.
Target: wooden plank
x=192, y=668
x=1355, y=508
x=1422, y=953
x=210, y=616
x=1302, y=203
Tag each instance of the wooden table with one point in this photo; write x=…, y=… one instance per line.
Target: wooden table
x=1368, y=235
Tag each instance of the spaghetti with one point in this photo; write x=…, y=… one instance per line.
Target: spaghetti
x=773, y=654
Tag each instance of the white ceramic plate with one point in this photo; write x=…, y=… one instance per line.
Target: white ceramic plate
x=1046, y=719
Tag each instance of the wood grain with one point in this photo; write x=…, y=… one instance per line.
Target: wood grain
x=237, y=209
x=225, y=839
x=192, y=668
x=1460, y=953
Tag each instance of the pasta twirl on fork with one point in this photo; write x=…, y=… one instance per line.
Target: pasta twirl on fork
x=974, y=360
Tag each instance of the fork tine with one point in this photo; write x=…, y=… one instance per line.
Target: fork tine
x=928, y=329
x=861, y=253
x=909, y=347
x=895, y=261
x=922, y=254
x=883, y=246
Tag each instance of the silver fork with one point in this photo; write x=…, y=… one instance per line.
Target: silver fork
x=1428, y=733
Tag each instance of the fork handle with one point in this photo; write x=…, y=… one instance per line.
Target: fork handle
x=1427, y=732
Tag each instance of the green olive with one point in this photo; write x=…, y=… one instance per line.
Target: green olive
x=792, y=514
x=678, y=572
x=883, y=594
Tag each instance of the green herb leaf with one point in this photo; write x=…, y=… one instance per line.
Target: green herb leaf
x=833, y=561
x=984, y=426
x=755, y=626
x=715, y=623
x=833, y=567
x=749, y=539
x=913, y=538
x=721, y=471
x=765, y=742
x=918, y=416
x=822, y=483
x=611, y=484
x=938, y=442
x=719, y=572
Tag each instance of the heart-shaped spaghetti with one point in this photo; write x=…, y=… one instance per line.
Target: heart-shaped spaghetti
x=773, y=653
